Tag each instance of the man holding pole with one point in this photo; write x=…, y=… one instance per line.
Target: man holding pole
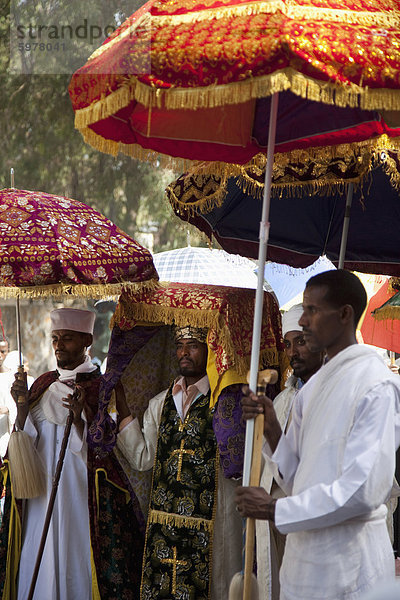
x=93, y=546
x=336, y=462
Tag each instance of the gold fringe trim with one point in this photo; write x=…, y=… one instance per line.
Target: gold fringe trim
x=390, y=166
x=387, y=313
x=234, y=93
x=152, y=314
x=309, y=13
x=182, y=165
x=164, y=518
x=205, y=204
x=374, y=152
x=79, y=290
x=168, y=315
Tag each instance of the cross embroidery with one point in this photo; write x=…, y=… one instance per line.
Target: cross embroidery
x=174, y=562
x=180, y=453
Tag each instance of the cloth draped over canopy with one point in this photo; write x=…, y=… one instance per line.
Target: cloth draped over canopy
x=227, y=313
x=142, y=349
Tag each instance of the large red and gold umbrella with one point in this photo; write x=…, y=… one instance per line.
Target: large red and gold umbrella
x=336, y=63
x=51, y=245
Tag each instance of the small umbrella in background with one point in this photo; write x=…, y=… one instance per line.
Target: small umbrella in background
x=379, y=326
x=288, y=283
x=53, y=246
x=205, y=265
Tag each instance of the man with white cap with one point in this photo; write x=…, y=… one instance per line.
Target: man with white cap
x=304, y=363
x=95, y=536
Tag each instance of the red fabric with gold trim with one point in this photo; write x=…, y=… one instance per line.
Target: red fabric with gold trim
x=227, y=311
x=51, y=244
x=175, y=56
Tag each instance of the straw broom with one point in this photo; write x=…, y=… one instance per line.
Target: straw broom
x=27, y=472
x=244, y=585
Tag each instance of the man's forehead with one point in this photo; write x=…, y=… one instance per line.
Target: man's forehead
x=314, y=293
x=293, y=334
x=63, y=332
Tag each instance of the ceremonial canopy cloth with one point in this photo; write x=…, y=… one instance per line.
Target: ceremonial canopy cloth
x=95, y=541
x=142, y=326
x=337, y=463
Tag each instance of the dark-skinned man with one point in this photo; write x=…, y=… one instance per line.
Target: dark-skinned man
x=194, y=535
x=337, y=460
x=270, y=542
x=95, y=538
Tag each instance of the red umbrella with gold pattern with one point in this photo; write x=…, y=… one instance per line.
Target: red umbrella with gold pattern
x=193, y=79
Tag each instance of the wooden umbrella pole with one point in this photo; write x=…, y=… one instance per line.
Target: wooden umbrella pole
x=50, y=506
x=255, y=475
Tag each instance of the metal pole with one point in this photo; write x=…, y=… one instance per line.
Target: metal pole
x=262, y=253
x=346, y=223
x=19, y=343
x=257, y=323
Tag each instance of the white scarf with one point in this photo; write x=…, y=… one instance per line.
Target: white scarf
x=51, y=402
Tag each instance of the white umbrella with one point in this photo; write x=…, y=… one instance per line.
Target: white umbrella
x=204, y=265
x=288, y=283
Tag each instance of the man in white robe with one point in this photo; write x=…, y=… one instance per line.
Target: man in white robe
x=337, y=460
x=270, y=542
x=72, y=566
x=141, y=447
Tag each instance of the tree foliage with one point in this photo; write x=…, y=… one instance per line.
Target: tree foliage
x=39, y=141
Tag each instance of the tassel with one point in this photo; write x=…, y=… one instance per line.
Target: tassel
x=236, y=588
x=26, y=467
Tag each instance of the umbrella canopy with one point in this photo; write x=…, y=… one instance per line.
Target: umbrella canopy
x=380, y=327
x=390, y=309
x=303, y=229
x=193, y=81
x=204, y=265
x=51, y=245
x=288, y=282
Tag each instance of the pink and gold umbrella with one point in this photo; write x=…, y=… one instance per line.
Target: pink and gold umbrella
x=51, y=245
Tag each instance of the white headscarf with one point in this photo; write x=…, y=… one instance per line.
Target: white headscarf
x=290, y=319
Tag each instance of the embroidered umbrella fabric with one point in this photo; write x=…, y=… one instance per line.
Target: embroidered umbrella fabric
x=51, y=245
x=335, y=63
x=302, y=229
